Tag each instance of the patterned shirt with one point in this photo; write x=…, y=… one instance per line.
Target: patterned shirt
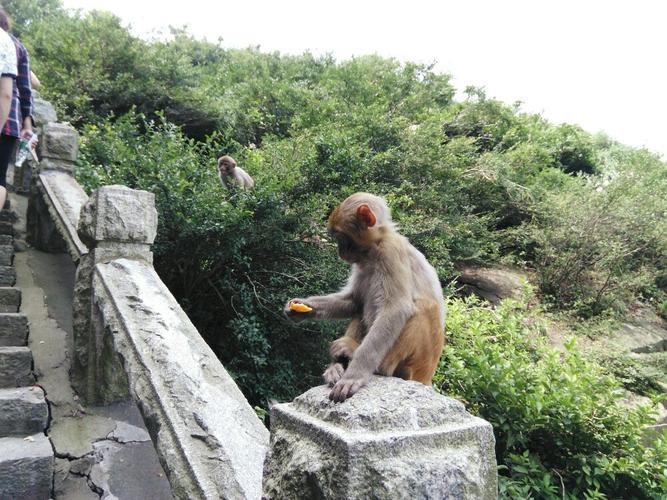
x=22, y=92
x=7, y=55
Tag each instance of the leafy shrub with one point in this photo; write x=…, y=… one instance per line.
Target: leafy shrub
x=559, y=429
x=603, y=241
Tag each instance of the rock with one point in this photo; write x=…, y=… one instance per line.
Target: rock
x=6, y=255
x=10, y=299
x=74, y=436
x=43, y=112
x=13, y=329
x=491, y=284
x=7, y=276
x=22, y=411
x=26, y=467
x=118, y=214
x=16, y=367
x=59, y=141
x=645, y=333
x=393, y=439
x=128, y=433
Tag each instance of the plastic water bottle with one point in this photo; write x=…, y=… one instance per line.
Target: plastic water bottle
x=25, y=148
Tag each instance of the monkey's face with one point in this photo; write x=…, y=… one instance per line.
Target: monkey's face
x=226, y=165
x=348, y=249
x=225, y=168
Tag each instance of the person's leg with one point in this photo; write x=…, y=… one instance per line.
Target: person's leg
x=6, y=148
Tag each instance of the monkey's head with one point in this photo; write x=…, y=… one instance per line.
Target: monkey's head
x=226, y=165
x=358, y=223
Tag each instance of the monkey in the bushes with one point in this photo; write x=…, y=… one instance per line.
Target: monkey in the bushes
x=231, y=175
x=393, y=297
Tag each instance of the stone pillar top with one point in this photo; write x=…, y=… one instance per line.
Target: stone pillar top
x=392, y=439
x=43, y=112
x=387, y=404
x=59, y=141
x=118, y=214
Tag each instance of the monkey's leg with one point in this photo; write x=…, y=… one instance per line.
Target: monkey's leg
x=417, y=351
x=342, y=350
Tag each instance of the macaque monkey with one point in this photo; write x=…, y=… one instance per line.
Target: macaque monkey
x=231, y=175
x=393, y=297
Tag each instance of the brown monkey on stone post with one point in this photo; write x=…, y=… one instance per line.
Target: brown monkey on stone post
x=231, y=175
x=393, y=296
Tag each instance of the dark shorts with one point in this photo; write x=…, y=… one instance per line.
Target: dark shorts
x=7, y=143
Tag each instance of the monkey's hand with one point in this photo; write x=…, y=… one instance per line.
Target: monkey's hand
x=343, y=348
x=347, y=386
x=333, y=373
x=295, y=315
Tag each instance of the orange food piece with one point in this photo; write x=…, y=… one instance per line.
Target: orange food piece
x=299, y=307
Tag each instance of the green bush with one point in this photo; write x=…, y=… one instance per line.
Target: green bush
x=559, y=429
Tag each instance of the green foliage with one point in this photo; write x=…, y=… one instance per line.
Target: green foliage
x=560, y=432
x=474, y=181
x=603, y=241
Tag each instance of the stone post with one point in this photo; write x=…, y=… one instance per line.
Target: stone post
x=43, y=112
x=393, y=439
x=116, y=222
x=58, y=148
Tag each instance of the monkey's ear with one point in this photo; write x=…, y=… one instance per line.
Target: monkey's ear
x=366, y=215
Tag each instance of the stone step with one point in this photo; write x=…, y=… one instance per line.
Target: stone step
x=8, y=216
x=6, y=255
x=6, y=228
x=16, y=367
x=10, y=299
x=13, y=329
x=23, y=411
x=26, y=467
x=6, y=239
x=7, y=276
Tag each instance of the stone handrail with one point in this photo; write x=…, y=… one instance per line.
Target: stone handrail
x=393, y=439
x=131, y=338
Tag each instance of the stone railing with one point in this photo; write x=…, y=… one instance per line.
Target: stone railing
x=393, y=439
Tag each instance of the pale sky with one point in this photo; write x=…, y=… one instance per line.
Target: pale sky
x=599, y=64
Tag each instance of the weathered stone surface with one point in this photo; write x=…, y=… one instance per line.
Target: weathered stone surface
x=58, y=141
x=6, y=239
x=118, y=214
x=393, y=439
x=8, y=215
x=15, y=367
x=210, y=442
x=7, y=276
x=6, y=255
x=23, y=411
x=13, y=329
x=6, y=228
x=115, y=222
x=43, y=112
x=10, y=299
x=73, y=437
x=645, y=333
x=56, y=164
x=491, y=284
x=26, y=467
x=53, y=214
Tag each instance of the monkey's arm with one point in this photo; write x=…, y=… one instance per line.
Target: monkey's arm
x=339, y=305
x=381, y=337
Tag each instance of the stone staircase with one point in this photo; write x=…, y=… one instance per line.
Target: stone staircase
x=26, y=454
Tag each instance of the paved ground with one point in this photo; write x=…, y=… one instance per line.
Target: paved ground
x=101, y=452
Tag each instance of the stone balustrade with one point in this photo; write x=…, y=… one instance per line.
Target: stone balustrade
x=393, y=439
